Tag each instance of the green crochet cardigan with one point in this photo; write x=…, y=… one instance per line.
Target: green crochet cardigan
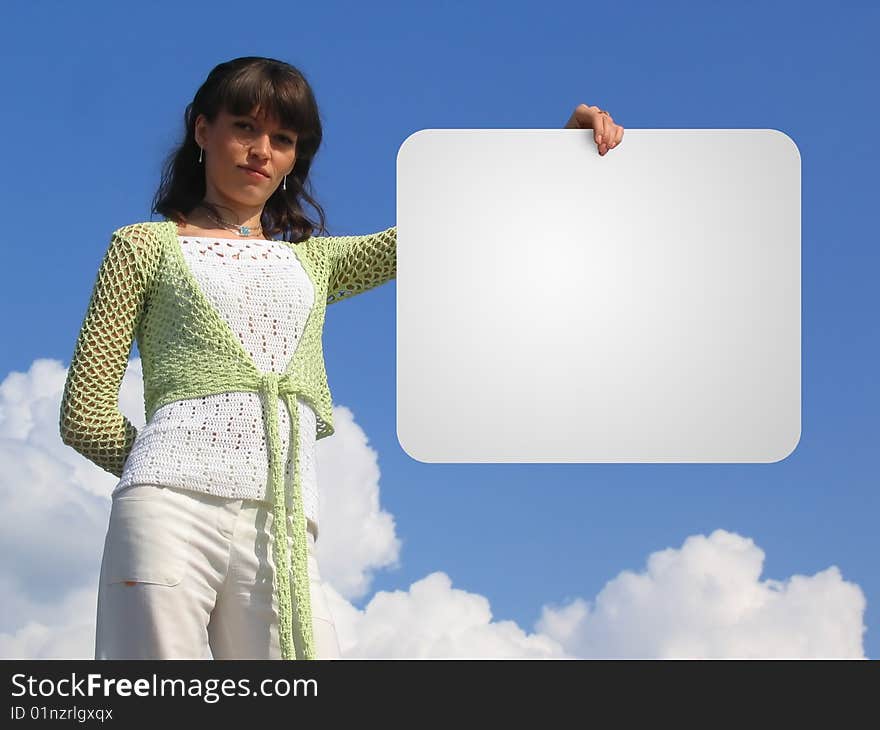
x=145, y=290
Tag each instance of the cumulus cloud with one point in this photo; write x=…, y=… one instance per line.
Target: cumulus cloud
x=356, y=536
x=52, y=521
x=433, y=619
x=61, y=629
x=705, y=598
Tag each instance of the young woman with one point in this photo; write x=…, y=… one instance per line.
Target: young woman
x=214, y=519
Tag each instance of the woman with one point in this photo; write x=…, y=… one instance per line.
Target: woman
x=210, y=545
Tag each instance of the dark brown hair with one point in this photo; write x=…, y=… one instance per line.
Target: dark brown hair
x=238, y=86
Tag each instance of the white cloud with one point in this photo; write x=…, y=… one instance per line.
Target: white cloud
x=703, y=599
x=433, y=619
x=62, y=629
x=706, y=599
x=51, y=526
x=356, y=536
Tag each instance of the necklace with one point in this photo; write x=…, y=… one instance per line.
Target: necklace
x=241, y=230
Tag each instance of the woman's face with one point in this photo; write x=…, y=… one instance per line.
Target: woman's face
x=234, y=143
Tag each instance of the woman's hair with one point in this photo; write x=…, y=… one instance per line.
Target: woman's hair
x=238, y=86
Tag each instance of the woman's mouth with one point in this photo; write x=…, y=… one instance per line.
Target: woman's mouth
x=254, y=174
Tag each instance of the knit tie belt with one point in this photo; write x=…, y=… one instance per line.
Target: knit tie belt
x=271, y=387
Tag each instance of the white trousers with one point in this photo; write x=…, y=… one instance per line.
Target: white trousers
x=187, y=575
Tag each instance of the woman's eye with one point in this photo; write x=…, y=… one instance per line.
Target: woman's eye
x=247, y=125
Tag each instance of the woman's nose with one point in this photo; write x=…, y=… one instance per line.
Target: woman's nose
x=261, y=146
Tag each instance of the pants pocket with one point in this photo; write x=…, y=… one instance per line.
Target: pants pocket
x=142, y=546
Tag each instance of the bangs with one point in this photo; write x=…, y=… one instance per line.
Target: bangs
x=277, y=95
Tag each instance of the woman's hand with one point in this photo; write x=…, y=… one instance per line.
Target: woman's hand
x=606, y=133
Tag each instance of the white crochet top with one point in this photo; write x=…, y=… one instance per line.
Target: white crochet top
x=216, y=444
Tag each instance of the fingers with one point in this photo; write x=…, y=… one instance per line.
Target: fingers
x=601, y=129
x=605, y=137
x=614, y=135
x=598, y=125
x=607, y=134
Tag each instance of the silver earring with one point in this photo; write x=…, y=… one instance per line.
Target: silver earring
x=284, y=184
x=200, y=153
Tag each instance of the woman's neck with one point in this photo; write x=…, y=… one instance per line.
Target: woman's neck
x=198, y=224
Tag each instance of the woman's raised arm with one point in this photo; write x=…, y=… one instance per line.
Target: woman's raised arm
x=360, y=263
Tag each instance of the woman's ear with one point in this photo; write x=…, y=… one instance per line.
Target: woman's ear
x=199, y=130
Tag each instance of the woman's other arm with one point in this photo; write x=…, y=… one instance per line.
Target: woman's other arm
x=90, y=419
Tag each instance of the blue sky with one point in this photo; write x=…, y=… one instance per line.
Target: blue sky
x=94, y=100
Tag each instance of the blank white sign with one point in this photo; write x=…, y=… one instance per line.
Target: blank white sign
x=558, y=306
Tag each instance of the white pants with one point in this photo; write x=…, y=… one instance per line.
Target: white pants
x=185, y=572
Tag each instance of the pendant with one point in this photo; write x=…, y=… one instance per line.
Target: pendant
x=244, y=231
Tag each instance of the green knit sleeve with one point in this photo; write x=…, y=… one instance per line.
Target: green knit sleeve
x=90, y=419
x=360, y=263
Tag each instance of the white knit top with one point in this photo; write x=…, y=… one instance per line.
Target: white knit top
x=216, y=444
